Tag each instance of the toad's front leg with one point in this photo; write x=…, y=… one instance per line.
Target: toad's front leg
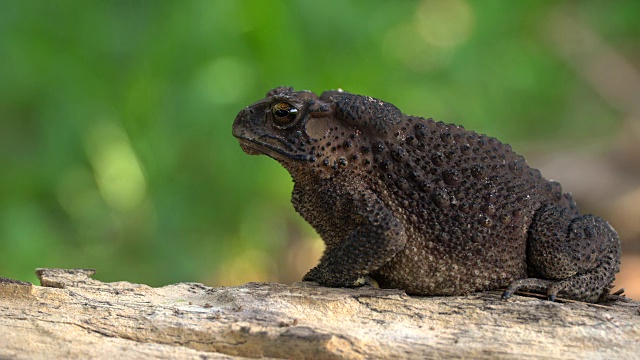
x=374, y=235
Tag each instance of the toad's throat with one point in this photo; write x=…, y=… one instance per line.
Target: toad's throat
x=257, y=146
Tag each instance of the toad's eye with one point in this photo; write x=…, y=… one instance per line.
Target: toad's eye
x=284, y=113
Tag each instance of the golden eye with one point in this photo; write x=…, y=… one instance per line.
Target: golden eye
x=284, y=113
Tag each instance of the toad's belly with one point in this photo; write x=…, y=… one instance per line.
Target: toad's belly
x=431, y=272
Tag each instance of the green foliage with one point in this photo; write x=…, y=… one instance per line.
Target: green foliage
x=115, y=128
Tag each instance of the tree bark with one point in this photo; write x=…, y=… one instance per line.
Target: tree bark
x=72, y=316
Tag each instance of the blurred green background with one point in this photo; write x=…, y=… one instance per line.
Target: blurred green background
x=115, y=130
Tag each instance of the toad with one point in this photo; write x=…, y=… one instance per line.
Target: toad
x=424, y=206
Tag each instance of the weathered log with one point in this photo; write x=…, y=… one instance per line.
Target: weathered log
x=74, y=316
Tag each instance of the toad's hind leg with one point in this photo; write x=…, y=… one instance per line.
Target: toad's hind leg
x=569, y=256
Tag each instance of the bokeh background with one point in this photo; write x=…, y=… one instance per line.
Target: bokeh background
x=115, y=119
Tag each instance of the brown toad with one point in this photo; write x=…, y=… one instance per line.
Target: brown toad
x=424, y=206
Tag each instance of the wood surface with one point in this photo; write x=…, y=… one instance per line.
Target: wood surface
x=73, y=316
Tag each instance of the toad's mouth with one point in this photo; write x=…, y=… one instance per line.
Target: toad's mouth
x=277, y=151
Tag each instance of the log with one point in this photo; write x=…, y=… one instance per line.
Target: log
x=72, y=315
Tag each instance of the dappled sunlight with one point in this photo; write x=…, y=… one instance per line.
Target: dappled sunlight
x=247, y=266
x=116, y=168
x=404, y=43
x=444, y=23
x=427, y=41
